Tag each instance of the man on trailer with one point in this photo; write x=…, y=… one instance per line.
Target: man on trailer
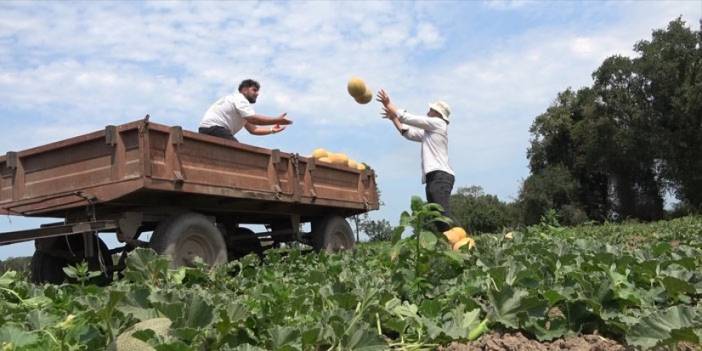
x=232, y=112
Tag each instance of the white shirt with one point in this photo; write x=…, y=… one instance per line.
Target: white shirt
x=432, y=132
x=228, y=112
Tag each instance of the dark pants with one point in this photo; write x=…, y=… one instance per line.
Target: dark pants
x=217, y=131
x=439, y=186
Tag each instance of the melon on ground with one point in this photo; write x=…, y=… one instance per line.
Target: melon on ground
x=465, y=241
x=455, y=234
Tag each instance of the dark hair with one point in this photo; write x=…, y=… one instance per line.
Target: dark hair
x=249, y=83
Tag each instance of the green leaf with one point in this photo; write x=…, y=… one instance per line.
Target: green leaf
x=507, y=303
x=7, y=279
x=282, y=337
x=364, y=339
x=664, y=327
x=427, y=240
x=12, y=334
x=397, y=234
x=416, y=203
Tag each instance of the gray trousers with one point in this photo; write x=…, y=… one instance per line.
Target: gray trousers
x=217, y=131
x=438, y=189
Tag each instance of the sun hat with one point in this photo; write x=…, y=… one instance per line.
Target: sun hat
x=442, y=108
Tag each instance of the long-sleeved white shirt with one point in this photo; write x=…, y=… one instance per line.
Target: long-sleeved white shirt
x=433, y=134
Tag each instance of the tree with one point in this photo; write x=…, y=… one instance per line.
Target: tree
x=479, y=212
x=379, y=230
x=615, y=147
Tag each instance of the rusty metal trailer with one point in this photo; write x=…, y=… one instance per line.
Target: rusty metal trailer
x=192, y=190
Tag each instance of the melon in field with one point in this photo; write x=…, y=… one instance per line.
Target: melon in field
x=356, y=87
x=365, y=98
x=465, y=241
x=126, y=342
x=319, y=153
x=455, y=234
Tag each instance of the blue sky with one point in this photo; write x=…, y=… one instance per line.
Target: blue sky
x=68, y=68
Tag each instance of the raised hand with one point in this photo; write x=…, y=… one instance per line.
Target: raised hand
x=283, y=119
x=383, y=97
x=277, y=128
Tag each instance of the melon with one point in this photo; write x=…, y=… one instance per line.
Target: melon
x=319, y=153
x=455, y=234
x=126, y=342
x=339, y=158
x=356, y=87
x=469, y=241
x=361, y=166
x=325, y=159
x=365, y=98
x=352, y=164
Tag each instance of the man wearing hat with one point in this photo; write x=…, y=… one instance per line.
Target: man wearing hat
x=233, y=112
x=432, y=131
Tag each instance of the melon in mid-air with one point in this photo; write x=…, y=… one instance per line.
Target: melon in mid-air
x=365, y=98
x=356, y=87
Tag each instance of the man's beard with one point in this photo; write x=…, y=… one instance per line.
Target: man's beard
x=251, y=99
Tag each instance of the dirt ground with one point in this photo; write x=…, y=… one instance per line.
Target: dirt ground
x=496, y=341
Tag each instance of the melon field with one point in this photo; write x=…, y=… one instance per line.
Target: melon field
x=607, y=287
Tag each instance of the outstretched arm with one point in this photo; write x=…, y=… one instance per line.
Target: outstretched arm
x=390, y=112
x=261, y=120
x=257, y=130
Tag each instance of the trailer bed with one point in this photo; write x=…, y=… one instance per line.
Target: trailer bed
x=142, y=164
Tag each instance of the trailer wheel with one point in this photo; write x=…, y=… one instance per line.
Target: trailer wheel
x=48, y=268
x=188, y=236
x=332, y=233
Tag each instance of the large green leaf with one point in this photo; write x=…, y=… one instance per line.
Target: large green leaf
x=507, y=304
x=666, y=327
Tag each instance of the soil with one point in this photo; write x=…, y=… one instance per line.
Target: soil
x=496, y=341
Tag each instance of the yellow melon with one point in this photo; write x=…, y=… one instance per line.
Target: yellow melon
x=319, y=153
x=325, y=159
x=352, y=164
x=339, y=158
x=361, y=166
x=365, y=98
x=471, y=244
x=455, y=234
x=356, y=87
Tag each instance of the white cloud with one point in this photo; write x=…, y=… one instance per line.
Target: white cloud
x=65, y=70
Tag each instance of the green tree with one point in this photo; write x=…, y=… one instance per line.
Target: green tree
x=480, y=212
x=671, y=64
x=378, y=230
